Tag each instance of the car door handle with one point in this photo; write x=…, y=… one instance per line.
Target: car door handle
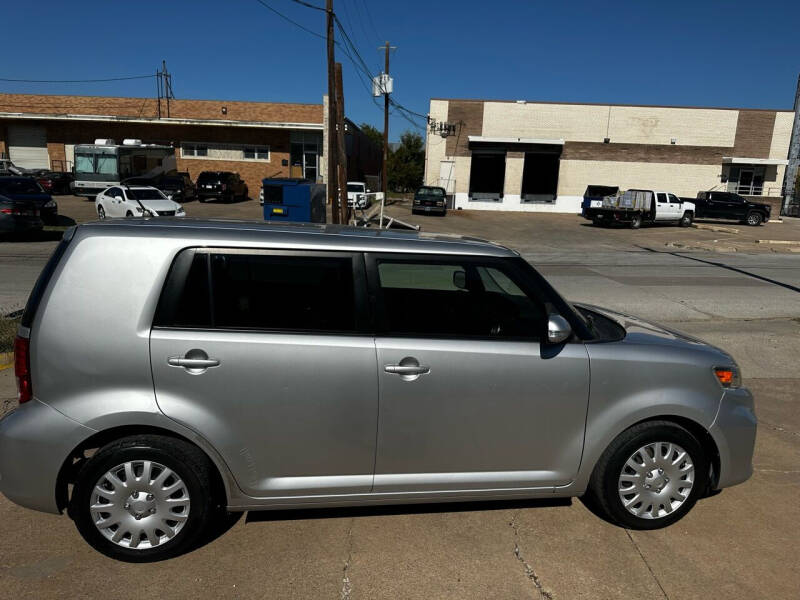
x=192, y=363
x=407, y=369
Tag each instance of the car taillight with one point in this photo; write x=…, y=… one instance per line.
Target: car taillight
x=11, y=211
x=224, y=187
x=22, y=368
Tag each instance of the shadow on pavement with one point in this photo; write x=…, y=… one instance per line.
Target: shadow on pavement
x=400, y=509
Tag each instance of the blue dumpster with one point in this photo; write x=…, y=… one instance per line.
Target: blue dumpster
x=295, y=200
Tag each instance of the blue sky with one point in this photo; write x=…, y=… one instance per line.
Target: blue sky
x=645, y=52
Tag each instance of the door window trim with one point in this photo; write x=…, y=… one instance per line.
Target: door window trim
x=175, y=280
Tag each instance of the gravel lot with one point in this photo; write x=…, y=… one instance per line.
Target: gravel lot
x=740, y=543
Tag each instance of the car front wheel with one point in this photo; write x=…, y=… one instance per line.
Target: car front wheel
x=650, y=476
x=754, y=219
x=101, y=213
x=143, y=498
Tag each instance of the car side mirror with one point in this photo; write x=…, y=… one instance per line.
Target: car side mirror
x=460, y=280
x=558, y=329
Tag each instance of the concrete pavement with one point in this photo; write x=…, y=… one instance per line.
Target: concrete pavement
x=743, y=542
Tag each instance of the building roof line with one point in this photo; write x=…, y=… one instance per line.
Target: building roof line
x=161, y=121
x=523, y=102
x=178, y=100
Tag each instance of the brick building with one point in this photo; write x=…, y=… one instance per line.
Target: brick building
x=254, y=139
x=538, y=156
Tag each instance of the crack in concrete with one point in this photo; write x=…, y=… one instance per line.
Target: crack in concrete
x=347, y=586
x=529, y=571
x=646, y=564
x=778, y=428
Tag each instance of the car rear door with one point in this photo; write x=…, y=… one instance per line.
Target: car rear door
x=470, y=398
x=265, y=354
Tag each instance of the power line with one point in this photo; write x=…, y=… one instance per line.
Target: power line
x=77, y=80
x=292, y=21
x=309, y=5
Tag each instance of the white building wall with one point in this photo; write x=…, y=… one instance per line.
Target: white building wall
x=435, y=145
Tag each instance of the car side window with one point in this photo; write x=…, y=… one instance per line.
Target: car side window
x=662, y=197
x=456, y=299
x=674, y=199
x=242, y=290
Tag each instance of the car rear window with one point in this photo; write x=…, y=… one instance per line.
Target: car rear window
x=438, y=192
x=44, y=279
x=259, y=292
x=20, y=186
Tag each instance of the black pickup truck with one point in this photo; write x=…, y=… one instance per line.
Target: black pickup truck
x=727, y=205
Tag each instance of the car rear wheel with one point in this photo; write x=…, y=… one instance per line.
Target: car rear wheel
x=636, y=221
x=650, y=476
x=754, y=219
x=686, y=219
x=129, y=214
x=143, y=498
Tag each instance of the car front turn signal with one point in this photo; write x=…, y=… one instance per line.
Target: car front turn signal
x=728, y=377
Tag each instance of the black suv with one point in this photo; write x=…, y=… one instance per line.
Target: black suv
x=223, y=185
x=727, y=205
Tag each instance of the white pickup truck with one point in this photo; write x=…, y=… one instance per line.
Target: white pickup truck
x=359, y=197
x=636, y=207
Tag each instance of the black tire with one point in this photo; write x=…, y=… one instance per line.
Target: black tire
x=754, y=219
x=128, y=214
x=246, y=194
x=636, y=221
x=101, y=213
x=686, y=219
x=597, y=222
x=201, y=200
x=184, y=459
x=603, y=485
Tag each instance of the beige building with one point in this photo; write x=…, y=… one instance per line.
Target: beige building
x=538, y=156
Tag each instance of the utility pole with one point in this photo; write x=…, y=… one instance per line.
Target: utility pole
x=790, y=177
x=167, y=83
x=341, y=151
x=333, y=196
x=384, y=172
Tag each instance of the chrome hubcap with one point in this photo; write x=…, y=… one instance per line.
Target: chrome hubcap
x=656, y=480
x=140, y=504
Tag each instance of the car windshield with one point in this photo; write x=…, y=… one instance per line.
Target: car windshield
x=171, y=181
x=145, y=195
x=355, y=187
x=20, y=186
x=438, y=192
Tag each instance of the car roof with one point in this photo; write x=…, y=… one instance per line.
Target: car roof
x=296, y=235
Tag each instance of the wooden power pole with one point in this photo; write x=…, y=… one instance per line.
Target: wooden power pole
x=384, y=172
x=341, y=151
x=333, y=198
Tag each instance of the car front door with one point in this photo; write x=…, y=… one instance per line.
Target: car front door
x=663, y=210
x=271, y=364
x=675, y=206
x=470, y=397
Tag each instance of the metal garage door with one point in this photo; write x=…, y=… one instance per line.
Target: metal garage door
x=27, y=146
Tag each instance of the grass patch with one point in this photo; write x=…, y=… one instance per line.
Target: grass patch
x=8, y=331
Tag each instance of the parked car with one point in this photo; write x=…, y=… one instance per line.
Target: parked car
x=136, y=201
x=260, y=366
x=25, y=188
x=727, y=205
x=637, y=207
x=18, y=216
x=55, y=182
x=176, y=186
x=221, y=185
x=430, y=199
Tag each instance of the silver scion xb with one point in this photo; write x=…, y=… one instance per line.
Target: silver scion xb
x=243, y=366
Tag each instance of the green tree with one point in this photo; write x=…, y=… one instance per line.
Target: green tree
x=407, y=163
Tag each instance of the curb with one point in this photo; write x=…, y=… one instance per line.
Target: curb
x=6, y=360
x=717, y=228
x=783, y=242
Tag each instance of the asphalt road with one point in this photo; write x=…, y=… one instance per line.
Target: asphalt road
x=742, y=542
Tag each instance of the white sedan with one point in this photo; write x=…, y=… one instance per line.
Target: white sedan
x=135, y=201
